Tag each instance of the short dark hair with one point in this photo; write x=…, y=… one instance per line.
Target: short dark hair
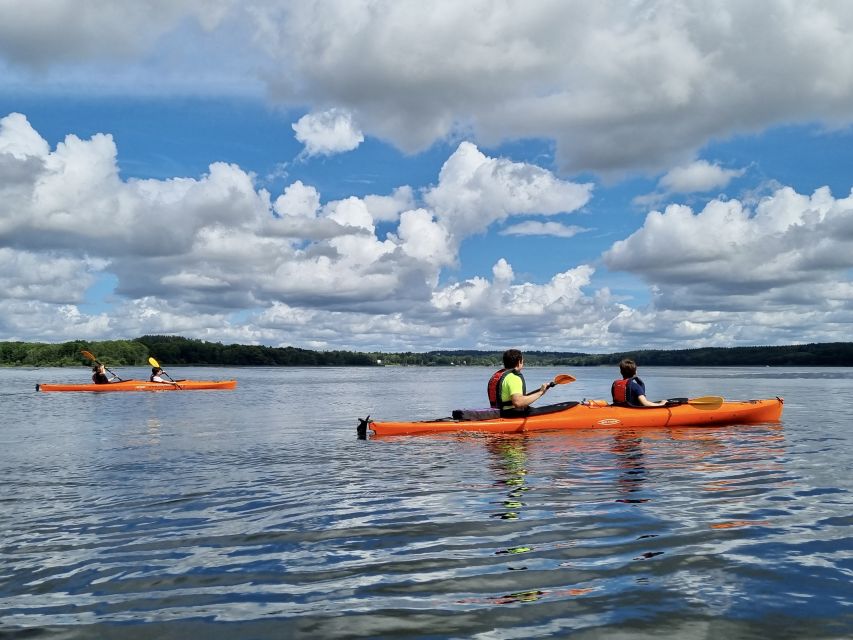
x=512, y=358
x=628, y=368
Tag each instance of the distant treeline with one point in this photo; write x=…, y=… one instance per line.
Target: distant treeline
x=831, y=354
x=175, y=350
x=172, y=350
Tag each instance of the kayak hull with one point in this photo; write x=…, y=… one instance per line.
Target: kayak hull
x=141, y=385
x=583, y=416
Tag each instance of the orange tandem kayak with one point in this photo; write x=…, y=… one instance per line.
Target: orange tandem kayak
x=599, y=415
x=141, y=385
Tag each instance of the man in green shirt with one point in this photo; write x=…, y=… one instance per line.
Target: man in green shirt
x=507, y=389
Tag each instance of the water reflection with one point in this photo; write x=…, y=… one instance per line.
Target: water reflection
x=669, y=489
x=508, y=461
x=508, y=458
x=627, y=447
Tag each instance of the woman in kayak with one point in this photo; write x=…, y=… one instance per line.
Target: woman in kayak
x=630, y=391
x=507, y=389
x=99, y=375
x=156, y=377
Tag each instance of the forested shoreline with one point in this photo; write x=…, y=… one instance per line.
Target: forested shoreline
x=176, y=350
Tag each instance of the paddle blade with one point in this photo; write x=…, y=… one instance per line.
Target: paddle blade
x=564, y=378
x=88, y=355
x=153, y=362
x=706, y=402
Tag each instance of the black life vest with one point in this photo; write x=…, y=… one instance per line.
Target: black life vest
x=100, y=378
x=494, y=388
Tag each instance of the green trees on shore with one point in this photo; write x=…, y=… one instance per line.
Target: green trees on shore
x=170, y=351
x=175, y=350
x=34, y=354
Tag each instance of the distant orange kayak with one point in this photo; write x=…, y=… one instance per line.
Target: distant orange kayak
x=141, y=385
x=599, y=415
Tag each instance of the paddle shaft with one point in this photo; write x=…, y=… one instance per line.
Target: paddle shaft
x=90, y=356
x=705, y=402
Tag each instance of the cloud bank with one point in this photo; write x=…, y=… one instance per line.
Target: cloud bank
x=217, y=257
x=617, y=86
x=189, y=254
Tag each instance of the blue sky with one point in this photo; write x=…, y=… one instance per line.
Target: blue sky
x=384, y=175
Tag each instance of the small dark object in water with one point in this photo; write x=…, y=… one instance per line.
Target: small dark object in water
x=361, y=430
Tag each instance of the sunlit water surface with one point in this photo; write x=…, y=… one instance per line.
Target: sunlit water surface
x=257, y=513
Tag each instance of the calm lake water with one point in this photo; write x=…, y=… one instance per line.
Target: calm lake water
x=257, y=513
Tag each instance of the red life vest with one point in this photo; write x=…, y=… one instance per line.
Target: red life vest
x=494, y=388
x=619, y=391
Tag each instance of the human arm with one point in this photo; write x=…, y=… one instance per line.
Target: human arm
x=643, y=400
x=521, y=401
x=638, y=390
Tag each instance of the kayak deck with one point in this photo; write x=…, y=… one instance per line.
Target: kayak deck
x=141, y=385
x=598, y=416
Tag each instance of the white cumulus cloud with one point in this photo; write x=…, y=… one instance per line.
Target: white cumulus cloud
x=216, y=257
x=475, y=191
x=534, y=228
x=699, y=176
x=790, y=250
x=328, y=132
x=616, y=86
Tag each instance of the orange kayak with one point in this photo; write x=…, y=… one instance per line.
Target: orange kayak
x=141, y=385
x=599, y=415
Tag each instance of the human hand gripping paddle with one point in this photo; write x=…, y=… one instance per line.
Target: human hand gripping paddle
x=154, y=363
x=90, y=356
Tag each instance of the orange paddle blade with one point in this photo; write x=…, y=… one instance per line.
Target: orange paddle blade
x=564, y=378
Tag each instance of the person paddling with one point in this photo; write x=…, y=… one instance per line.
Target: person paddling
x=99, y=375
x=157, y=377
x=507, y=389
x=157, y=374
